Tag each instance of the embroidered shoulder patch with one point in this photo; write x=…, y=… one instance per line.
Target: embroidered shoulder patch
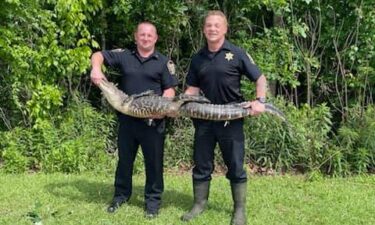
x=251, y=58
x=171, y=67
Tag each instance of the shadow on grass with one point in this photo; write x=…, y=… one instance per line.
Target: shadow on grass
x=81, y=191
x=102, y=193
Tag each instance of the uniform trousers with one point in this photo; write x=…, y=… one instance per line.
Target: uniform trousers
x=230, y=138
x=135, y=132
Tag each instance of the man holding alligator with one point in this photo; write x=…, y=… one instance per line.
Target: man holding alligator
x=141, y=70
x=216, y=71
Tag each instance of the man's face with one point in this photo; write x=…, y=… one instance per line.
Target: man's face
x=214, y=28
x=146, y=37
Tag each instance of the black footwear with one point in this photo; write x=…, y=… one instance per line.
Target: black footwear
x=115, y=204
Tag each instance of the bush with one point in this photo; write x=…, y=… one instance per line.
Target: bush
x=179, y=143
x=13, y=150
x=73, y=143
x=77, y=140
x=356, y=143
x=297, y=144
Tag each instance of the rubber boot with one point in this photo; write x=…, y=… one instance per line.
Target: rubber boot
x=239, y=200
x=201, y=190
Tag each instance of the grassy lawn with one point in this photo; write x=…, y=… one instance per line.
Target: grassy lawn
x=82, y=199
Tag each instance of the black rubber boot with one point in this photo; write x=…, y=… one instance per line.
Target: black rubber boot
x=239, y=199
x=201, y=190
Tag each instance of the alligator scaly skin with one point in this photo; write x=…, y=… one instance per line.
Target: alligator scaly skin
x=150, y=106
x=147, y=104
x=222, y=112
x=143, y=105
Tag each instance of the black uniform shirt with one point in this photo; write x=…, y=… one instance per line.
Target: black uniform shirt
x=140, y=74
x=218, y=74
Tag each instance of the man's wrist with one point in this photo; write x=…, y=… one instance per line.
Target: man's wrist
x=96, y=68
x=261, y=99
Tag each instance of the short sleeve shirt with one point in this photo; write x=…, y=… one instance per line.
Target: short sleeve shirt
x=218, y=74
x=140, y=74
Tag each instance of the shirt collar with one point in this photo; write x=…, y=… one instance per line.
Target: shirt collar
x=154, y=55
x=226, y=46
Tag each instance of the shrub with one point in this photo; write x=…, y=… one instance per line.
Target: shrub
x=356, y=141
x=13, y=150
x=298, y=143
x=179, y=142
x=74, y=142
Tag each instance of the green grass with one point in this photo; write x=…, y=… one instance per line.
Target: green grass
x=82, y=199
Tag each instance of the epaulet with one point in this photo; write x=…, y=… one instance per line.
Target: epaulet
x=251, y=58
x=118, y=50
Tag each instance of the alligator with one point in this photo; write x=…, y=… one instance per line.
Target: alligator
x=148, y=105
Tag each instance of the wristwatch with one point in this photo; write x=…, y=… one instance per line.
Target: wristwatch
x=261, y=99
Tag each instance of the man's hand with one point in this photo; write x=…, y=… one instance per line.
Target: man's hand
x=97, y=76
x=255, y=107
x=170, y=94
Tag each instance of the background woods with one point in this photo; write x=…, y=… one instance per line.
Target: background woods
x=317, y=55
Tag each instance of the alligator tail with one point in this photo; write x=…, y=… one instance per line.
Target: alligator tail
x=213, y=112
x=223, y=112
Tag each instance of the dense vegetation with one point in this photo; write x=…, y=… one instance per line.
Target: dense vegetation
x=318, y=57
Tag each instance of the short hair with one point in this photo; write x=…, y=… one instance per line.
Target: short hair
x=216, y=13
x=146, y=23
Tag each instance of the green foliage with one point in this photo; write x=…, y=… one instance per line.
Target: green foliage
x=43, y=44
x=76, y=141
x=13, y=151
x=169, y=16
x=179, y=143
x=277, y=59
x=44, y=103
x=356, y=141
x=297, y=144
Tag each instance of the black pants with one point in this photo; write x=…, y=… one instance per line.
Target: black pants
x=231, y=142
x=135, y=132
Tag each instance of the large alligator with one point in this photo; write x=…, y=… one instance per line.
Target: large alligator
x=148, y=105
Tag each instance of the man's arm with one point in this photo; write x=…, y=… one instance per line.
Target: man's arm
x=261, y=87
x=170, y=93
x=167, y=93
x=256, y=107
x=96, y=74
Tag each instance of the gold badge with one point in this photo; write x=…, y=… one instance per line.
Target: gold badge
x=171, y=67
x=229, y=56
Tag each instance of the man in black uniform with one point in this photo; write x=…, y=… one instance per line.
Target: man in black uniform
x=216, y=71
x=142, y=69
